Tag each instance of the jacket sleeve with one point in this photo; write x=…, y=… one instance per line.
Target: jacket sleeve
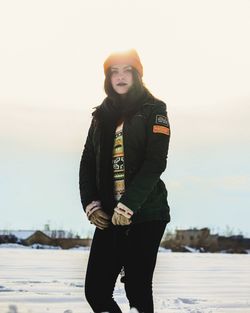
x=158, y=132
x=87, y=171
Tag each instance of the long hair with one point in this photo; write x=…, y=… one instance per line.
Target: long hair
x=115, y=107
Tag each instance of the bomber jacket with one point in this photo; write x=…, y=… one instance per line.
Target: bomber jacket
x=146, y=140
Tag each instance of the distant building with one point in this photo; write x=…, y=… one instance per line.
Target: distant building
x=235, y=244
x=65, y=243
x=196, y=238
x=19, y=234
x=59, y=238
x=203, y=240
x=200, y=239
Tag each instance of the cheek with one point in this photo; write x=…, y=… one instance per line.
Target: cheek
x=112, y=80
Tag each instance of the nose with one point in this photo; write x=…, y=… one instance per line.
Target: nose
x=120, y=75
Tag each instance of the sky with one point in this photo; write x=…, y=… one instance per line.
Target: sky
x=195, y=56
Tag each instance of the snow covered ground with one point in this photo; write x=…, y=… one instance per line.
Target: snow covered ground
x=41, y=281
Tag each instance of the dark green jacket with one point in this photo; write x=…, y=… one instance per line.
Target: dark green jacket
x=146, y=140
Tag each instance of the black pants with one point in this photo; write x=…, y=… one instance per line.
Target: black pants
x=135, y=247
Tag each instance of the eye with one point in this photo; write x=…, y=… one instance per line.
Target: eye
x=129, y=69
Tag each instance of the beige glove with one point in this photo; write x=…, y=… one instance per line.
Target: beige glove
x=118, y=219
x=100, y=219
x=122, y=215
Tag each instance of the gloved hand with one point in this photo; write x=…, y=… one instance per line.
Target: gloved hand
x=122, y=215
x=100, y=219
x=119, y=219
x=97, y=216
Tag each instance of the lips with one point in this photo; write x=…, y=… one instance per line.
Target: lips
x=121, y=84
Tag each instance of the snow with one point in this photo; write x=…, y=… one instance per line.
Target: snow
x=193, y=250
x=51, y=280
x=13, y=245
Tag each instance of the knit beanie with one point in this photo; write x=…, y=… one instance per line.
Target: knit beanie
x=129, y=57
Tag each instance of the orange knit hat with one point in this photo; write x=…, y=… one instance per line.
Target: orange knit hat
x=130, y=57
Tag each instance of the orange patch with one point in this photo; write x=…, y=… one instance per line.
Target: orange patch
x=161, y=129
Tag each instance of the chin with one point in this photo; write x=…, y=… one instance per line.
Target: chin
x=122, y=93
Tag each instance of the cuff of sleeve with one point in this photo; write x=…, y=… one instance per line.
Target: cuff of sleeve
x=92, y=207
x=123, y=210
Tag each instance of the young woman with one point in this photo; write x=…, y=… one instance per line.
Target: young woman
x=121, y=191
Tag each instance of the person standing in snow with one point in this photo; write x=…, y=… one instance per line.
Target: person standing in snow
x=124, y=155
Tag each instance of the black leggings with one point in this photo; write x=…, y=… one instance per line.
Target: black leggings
x=134, y=247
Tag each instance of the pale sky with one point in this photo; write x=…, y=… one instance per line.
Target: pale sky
x=196, y=58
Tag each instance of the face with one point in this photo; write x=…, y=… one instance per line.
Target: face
x=121, y=78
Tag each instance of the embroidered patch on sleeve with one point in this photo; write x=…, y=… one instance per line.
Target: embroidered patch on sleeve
x=162, y=120
x=161, y=129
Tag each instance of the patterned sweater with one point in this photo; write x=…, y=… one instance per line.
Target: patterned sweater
x=118, y=163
